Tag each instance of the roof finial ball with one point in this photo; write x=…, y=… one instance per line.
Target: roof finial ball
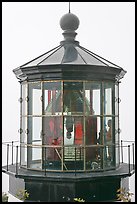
x=69, y=23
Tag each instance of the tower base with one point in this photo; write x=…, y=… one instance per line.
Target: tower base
x=65, y=190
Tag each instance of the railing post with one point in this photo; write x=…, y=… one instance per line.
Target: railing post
x=75, y=161
x=133, y=156
x=122, y=151
x=7, y=157
x=45, y=162
x=12, y=153
x=129, y=157
x=16, y=159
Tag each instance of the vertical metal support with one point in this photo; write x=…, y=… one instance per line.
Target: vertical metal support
x=102, y=134
x=122, y=150
x=45, y=162
x=75, y=161
x=42, y=125
x=62, y=109
x=129, y=157
x=12, y=152
x=84, y=126
x=133, y=156
x=7, y=157
x=21, y=113
x=17, y=160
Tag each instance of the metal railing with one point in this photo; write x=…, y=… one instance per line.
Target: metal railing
x=130, y=147
x=127, y=154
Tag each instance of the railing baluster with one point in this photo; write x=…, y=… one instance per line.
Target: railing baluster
x=17, y=160
x=75, y=161
x=129, y=157
x=12, y=153
x=45, y=162
x=7, y=157
x=133, y=156
x=122, y=151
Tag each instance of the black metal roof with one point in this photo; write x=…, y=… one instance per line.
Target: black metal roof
x=69, y=53
x=69, y=59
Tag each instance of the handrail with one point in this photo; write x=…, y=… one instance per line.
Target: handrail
x=9, y=142
x=128, y=141
x=130, y=151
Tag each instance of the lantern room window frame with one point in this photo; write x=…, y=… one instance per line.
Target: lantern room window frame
x=29, y=117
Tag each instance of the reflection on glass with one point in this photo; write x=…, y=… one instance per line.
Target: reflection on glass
x=36, y=128
x=109, y=162
x=23, y=155
x=53, y=158
x=107, y=99
x=94, y=156
x=23, y=141
x=37, y=152
x=73, y=130
x=52, y=98
x=73, y=98
x=92, y=94
x=117, y=150
x=117, y=153
x=52, y=129
x=108, y=142
x=93, y=129
x=35, y=104
x=116, y=131
x=108, y=137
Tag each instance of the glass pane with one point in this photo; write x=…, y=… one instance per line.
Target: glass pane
x=109, y=153
x=108, y=87
x=35, y=103
x=23, y=138
x=37, y=155
x=24, y=101
x=109, y=156
x=116, y=131
x=93, y=129
x=73, y=98
x=73, y=158
x=94, y=158
x=54, y=58
x=92, y=95
x=116, y=99
x=89, y=58
x=41, y=59
x=52, y=129
x=53, y=158
x=73, y=130
x=23, y=141
x=36, y=128
x=108, y=130
x=52, y=98
x=117, y=151
x=23, y=155
x=34, y=154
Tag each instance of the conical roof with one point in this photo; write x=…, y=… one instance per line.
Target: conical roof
x=69, y=52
